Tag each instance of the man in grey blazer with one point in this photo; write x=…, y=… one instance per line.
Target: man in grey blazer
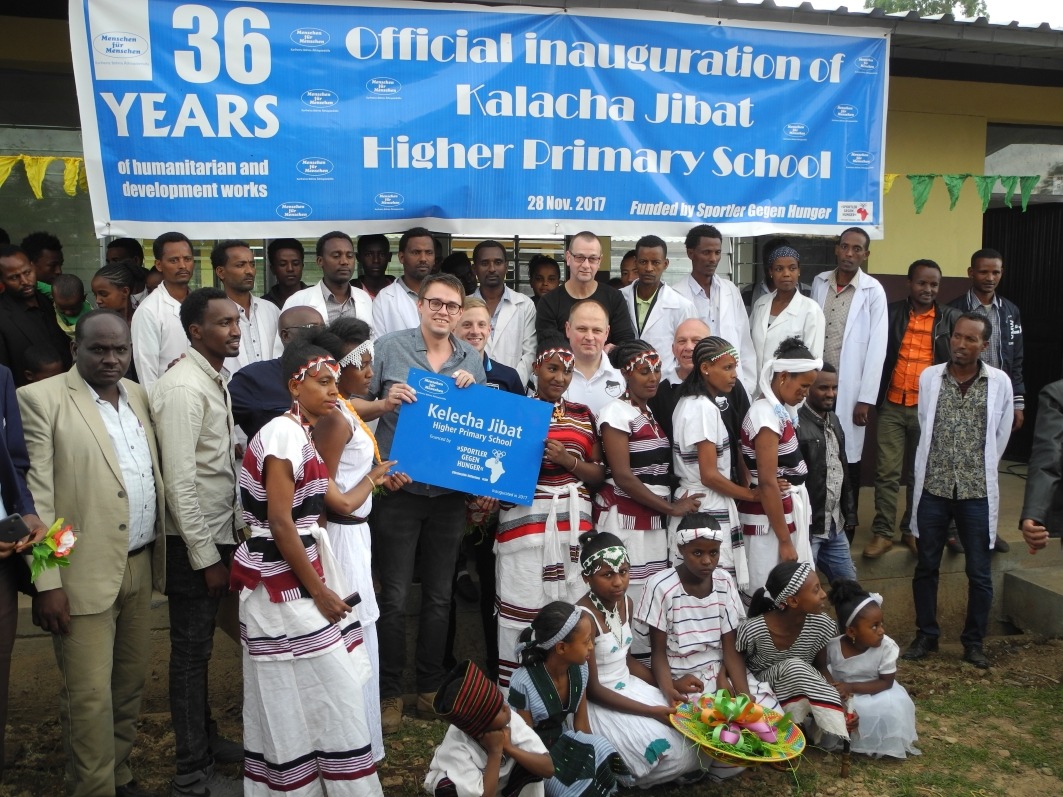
x=94, y=462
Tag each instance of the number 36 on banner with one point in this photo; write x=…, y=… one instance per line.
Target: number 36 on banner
x=246, y=53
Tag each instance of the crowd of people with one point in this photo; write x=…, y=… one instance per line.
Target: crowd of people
x=701, y=464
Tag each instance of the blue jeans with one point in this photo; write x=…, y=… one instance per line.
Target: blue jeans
x=972, y=526
x=192, y=616
x=404, y=523
x=831, y=555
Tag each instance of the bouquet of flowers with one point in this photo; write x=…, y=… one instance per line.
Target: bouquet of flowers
x=53, y=550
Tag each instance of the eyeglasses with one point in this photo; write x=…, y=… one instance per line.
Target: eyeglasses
x=435, y=305
x=581, y=259
x=302, y=326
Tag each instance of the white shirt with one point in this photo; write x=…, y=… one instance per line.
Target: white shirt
x=258, y=335
x=131, y=448
x=724, y=312
x=158, y=337
x=513, y=340
x=314, y=296
x=668, y=310
x=395, y=308
x=606, y=384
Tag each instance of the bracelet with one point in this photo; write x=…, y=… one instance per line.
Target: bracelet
x=372, y=484
x=575, y=464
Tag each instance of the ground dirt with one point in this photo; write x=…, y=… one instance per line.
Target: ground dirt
x=982, y=734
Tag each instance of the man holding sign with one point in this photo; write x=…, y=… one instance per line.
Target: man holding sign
x=432, y=516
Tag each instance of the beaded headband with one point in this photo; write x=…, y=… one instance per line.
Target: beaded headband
x=568, y=359
x=731, y=352
x=784, y=251
x=355, y=356
x=315, y=365
x=614, y=556
x=651, y=359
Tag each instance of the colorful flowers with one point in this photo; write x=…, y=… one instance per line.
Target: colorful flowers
x=54, y=550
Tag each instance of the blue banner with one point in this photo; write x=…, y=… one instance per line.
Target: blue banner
x=477, y=439
x=292, y=118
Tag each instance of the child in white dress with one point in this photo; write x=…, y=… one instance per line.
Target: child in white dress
x=863, y=664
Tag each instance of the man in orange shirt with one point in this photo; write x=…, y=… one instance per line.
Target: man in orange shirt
x=919, y=330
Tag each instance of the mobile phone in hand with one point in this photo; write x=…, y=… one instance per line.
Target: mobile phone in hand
x=13, y=528
x=353, y=599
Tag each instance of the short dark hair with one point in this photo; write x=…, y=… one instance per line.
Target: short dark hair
x=36, y=242
x=415, y=232
x=39, y=355
x=4, y=237
x=489, y=244
x=10, y=250
x=923, y=263
x=539, y=261
x=194, y=307
x=373, y=238
x=168, y=238
x=131, y=245
x=651, y=242
x=629, y=253
x=583, y=235
x=987, y=325
x=284, y=243
x=319, y=248
x=981, y=254
x=863, y=232
x=69, y=285
x=90, y=317
x=220, y=253
x=827, y=368
x=447, y=279
x=701, y=231
x=350, y=330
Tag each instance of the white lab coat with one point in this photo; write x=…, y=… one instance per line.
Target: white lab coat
x=802, y=318
x=999, y=416
x=394, y=309
x=512, y=340
x=313, y=297
x=668, y=312
x=732, y=325
x=862, y=356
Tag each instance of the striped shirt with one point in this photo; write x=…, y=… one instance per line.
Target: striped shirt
x=650, y=459
x=762, y=415
x=694, y=626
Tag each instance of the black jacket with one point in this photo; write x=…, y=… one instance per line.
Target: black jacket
x=1010, y=341
x=814, y=450
x=897, y=325
x=1044, y=479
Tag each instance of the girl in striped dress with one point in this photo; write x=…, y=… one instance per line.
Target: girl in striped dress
x=776, y=524
x=785, y=643
x=549, y=693
x=537, y=546
x=304, y=665
x=636, y=497
x=701, y=449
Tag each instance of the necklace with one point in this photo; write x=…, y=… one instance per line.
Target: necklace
x=612, y=617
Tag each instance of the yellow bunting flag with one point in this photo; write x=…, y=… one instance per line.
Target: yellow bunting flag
x=71, y=170
x=36, y=166
x=7, y=163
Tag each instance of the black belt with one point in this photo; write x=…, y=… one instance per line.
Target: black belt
x=345, y=520
x=140, y=549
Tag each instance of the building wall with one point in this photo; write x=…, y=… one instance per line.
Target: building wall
x=939, y=127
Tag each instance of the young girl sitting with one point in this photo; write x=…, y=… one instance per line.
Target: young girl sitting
x=785, y=643
x=549, y=688
x=625, y=704
x=863, y=663
x=488, y=751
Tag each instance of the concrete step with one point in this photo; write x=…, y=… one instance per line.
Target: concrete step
x=1033, y=600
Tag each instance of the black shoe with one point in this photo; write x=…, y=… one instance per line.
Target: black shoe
x=974, y=654
x=466, y=587
x=226, y=751
x=131, y=789
x=920, y=647
x=954, y=545
x=1000, y=546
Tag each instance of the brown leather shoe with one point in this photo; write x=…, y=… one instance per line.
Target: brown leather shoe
x=909, y=542
x=390, y=714
x=878, y=546
x=426, y=706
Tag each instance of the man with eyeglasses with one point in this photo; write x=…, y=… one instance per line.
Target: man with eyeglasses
x=421, y=515
x=583, y=256
x=395, y=307
x=656, y=309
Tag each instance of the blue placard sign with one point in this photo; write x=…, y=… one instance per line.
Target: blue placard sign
x=475, y=439
x=293, y=118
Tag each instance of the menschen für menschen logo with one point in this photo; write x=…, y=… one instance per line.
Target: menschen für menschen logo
x=315, y=167
x=294, y=210
x=309, y=37
x=117, y=44
x=433, y=386
x=846, y=113
x=320, y=98
x=389, y=199
x=383, y=86
x=796, y=131
x=867, y=63
x=860, y=159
